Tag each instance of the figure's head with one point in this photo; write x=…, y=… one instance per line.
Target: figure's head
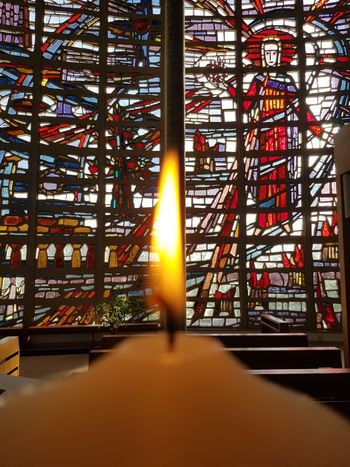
x=271, y=52
x=261, y=48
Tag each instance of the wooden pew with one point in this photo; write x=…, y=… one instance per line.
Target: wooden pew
x=45, y=339
x=319, y=383
x=273, y=358
x=329, y=386
x=228, y=339
x=288, y=357
x=259, y=339
x=139, y=327
x=270, y=323
x=111, y=340
x=9, y=356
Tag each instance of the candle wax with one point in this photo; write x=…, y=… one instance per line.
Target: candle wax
x=196, y=406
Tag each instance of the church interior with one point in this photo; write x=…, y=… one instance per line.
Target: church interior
x=174, y=233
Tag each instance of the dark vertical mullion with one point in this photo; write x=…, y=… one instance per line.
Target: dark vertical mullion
x=306, y=198
x=174, y=89
x=162, y=117
x=174, y=94
x=162, y=77
x=101, y=152
x=241, y=179
x=34, y=163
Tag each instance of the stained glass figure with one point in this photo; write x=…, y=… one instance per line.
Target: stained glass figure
x=249, y=76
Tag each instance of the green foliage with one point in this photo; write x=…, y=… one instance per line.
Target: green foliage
x=120, y=309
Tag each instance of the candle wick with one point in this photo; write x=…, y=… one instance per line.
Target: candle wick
x=170, y=321
x=170, y=328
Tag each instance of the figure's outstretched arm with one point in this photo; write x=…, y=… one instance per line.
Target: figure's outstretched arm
x=218, y=79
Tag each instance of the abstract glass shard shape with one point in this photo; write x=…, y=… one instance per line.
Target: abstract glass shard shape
x=80, y=132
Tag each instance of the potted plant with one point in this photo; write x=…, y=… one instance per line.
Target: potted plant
x=119, y=309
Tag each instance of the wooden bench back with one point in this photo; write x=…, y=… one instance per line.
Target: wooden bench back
x=319, y=383
x=273, y=357
x=271, y=323
x=288, y=357
x=227, y=339
x=9, y=356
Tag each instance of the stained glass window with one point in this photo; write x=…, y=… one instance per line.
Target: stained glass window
x=80, y=133
x=267, y=87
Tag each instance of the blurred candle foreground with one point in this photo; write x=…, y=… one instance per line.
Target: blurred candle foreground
x=168, y=240
x=142, y=406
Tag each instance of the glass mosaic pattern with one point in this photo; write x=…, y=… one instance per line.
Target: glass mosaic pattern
x=79, y=158
x=267, y=87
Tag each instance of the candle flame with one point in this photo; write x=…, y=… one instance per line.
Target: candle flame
x=168, y=238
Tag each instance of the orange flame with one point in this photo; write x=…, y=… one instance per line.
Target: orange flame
x=168, y=238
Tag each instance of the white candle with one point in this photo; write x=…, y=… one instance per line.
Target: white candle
x=145, y=406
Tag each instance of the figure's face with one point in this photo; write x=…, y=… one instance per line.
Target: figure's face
x=271, y=54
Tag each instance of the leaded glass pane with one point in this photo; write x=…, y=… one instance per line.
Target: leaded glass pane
x=267, y=88
x=80, y=127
